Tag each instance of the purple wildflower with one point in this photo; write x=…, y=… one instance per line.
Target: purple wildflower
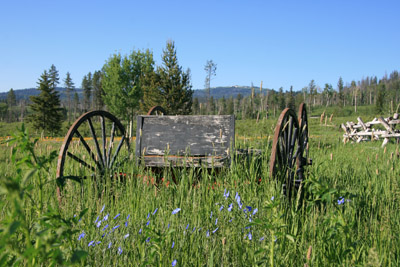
x=226, y=195
x=105, y=217
x=255, y=211
x=98, y=224
x=102, y=208
x=148, y=215
x=148, y=239
x=140, y=231
x=116, y=216
x=173, y=244
x=82, y=235
x=175, y=211
x=272, y=198
x=148, y=222
x=250, y=236
x=208, y=233
x=155, y=211
x=96, y=219
x=109, y=245
x=340, y=201
x=90, y=243
x=128, y=216
x=126, y=224
x=126, y=236
x=216, y=221
x=115, y=227
x=230, y=207
x=211, y=215
x=174, y=263
x=221, y=208
x=262, y=239
x=215, y=230
x=105, y=227
x=187, y=226
x=119, y=250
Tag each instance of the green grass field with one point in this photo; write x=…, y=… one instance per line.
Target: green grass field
x=349, y=214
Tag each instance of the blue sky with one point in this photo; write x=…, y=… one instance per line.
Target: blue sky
x=281, y=43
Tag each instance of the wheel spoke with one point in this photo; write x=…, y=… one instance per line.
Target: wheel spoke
x=88, y=149
x=111, y=143
x=103, y=133
x=117, y=151
x=95, y=140
x=80, y=161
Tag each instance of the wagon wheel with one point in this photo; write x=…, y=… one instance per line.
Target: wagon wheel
x=157, y=110
x=285, y=148
x=303, y=137
x=91, y=148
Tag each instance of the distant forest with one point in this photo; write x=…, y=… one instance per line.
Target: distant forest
x=246, y=102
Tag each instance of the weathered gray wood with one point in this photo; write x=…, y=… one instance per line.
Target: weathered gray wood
x=185, y=140
x=385, y=124
x=360, y=121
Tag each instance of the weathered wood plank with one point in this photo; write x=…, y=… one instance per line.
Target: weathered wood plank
x=204, y=138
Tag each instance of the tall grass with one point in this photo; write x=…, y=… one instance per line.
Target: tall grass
x=347, y=213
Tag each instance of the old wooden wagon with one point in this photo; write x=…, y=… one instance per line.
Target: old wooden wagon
x=96, y=145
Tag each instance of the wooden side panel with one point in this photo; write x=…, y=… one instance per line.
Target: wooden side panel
x=195, y=136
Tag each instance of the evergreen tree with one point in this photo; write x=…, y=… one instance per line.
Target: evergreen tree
x=210, y=69
x=196, y=106
x=341, y=93
x=97, y=90
x=76, y=103
x=53, y=77
x=290, y=103
x=87, y=90
x=380, y=97
x=281, y=99
x=175, y=87
x=230, y=107
x=11, y=98
x=69, y=88
x=46, y=112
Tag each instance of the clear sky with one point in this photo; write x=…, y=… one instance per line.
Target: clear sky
x=281, y=43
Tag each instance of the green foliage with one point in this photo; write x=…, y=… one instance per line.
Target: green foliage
x=87, y=91
x=175, y=87
x=123, y=81
x=98, y=92
x=11, y=99
x=380, y=98
x=46, y=239
x=46, y=112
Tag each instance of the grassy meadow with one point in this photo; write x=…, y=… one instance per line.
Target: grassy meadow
x=347, y=213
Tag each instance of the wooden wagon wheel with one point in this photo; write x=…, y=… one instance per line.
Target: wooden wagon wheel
x=92, y=148
x=157, y=110
x=285, y=148
x=303, y=137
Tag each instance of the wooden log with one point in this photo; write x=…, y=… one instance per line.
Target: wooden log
x=360, y=121
x=386, y=125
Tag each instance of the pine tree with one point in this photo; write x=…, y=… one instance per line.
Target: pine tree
x=76, y=103
x=87, y=90
x=69, y=88
x=341, y=93
x=97, y=90
x=196, y=106
x=11, y=98
x=230, y=107
x=175, y=86
x=281, y=99
x=290, y=99
x=53, y=77
x=46, y=112
x=380, y=97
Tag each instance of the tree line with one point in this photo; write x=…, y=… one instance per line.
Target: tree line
x=128, y=85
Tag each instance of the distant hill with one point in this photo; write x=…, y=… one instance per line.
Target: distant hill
x=201, y=94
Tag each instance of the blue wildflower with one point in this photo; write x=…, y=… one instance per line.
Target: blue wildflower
x=109, y=245
x=230, y=207
x=215, y=230
x=216, y=221
x=208, y=233
x=174, y=262
x=126, y=236
x=98, y=242
x=168, y=226
x=211, y=215
x=116, y=216
x=119, y=250
x=340, y=201
x=226, y=195
x=222, y=207
x=148, y=239
x=148, y=215
x=175, y=211
x=148, y=222
x=262, y=239
x=102, y=208
x=98, y=224
x=115, y=227
x=105, y=227
x=96, y=219
x=126, y=224
x=194, y=229
x=230, y=220
x=90, y=243
x=140, y=231
x=105, y=217
x=248, y=208
x=272, y=198
x=255, y=211
x=187, y=226
x=82, y=235
x=128, y=216
x=103, y=235
x=250, y=236
x=155, y=211
x=173, y=244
